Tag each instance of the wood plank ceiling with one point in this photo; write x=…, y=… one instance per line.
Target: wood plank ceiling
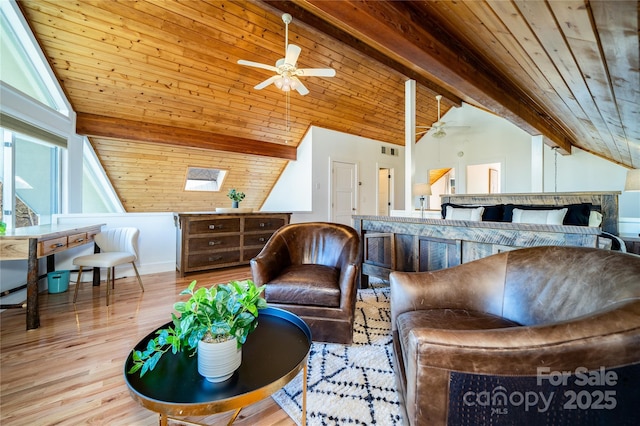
x=162, y=75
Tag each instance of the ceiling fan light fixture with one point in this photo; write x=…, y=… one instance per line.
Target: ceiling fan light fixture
x=439, y=134
x=286, y=82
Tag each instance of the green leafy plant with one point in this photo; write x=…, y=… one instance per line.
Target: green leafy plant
x=212, y=314
x=236, y=195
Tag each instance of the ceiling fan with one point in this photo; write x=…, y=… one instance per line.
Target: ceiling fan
x=438, y=125
x=286, y=78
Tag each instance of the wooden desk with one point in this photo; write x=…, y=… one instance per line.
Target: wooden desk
x=34, y=242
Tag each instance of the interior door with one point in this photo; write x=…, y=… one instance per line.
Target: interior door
x=384, y=192
x=343, y=194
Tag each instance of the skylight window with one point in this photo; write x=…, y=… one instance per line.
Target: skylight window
x=204, y=179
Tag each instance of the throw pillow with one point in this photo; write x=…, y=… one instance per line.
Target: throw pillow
x=474, y=215
x=490, y=214
x=595, y=219
x=548, y=217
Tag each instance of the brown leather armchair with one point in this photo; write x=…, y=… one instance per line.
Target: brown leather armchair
x=505, y=323
x=310, y=269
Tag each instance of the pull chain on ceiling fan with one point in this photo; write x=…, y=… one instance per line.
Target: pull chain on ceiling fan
x=438, y=125
x=286, y=78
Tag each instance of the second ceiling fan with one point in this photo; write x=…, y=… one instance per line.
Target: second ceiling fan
x=438, y=125
x=286, y=77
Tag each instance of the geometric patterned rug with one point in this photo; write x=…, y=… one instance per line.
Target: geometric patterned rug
x=351, y=384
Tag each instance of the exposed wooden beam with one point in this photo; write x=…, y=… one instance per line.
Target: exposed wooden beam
x=115, y=128
x=393, y=29
x=316, y=22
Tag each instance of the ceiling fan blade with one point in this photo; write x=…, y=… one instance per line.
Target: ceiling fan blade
x=266, y=82
x=316, y=72
x=300, y=87
x=257, y=65
x=291, y=57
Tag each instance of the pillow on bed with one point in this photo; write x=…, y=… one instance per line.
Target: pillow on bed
x=473, y=214
x=548, y=217
x=577, y=214
x=490, y=214
x=595, y=219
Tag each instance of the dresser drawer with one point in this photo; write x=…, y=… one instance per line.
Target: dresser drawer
x=263, y=223
x=257, y=239
x=77, y=239
x=213, y=242
x=212, y=259
x=210, y=226
x=53, y=245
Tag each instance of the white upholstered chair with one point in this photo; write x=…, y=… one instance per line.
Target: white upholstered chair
x=118, y=246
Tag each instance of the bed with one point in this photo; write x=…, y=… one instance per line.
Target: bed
x=414, y=244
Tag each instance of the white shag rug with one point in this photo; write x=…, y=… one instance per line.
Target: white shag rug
x=351, y=384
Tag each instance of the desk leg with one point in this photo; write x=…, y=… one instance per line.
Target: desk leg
x=304, y=395
x=33, y=316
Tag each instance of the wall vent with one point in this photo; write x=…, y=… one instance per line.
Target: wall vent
x=389, y=151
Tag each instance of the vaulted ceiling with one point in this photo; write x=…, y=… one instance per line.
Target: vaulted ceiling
x=165, y=73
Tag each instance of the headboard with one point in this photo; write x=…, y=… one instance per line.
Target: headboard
x=603, y=202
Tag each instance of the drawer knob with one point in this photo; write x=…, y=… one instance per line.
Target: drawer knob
x=56, y=245
x=263, y=224
x=215, y=226
x=79, y=240
x=214, y=258
x=213, y=243
x=261, y=239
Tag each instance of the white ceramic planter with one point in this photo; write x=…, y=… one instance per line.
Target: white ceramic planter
x=218, y=361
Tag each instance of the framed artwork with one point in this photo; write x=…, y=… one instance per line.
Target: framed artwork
x=494, y=182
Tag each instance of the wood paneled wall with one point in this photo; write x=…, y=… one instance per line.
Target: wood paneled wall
x=150, y=177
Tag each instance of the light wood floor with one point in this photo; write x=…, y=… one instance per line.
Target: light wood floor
x=70, y=370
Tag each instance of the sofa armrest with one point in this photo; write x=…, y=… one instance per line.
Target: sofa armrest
x=477, y=285
x=347, y=283
x=271, y=260
x=606, y=338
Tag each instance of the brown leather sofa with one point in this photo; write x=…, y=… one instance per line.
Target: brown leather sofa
x=310, y=269
x=507, y=323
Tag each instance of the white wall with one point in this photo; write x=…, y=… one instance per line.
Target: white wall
x=310, y=175
x=156, y=243
x=293, y=190
x=478, y=177
x=486, y=138
x=582, y=171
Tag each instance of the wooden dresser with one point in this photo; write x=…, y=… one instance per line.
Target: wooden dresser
x=218, y=240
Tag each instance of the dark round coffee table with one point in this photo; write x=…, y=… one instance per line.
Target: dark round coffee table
x=272, y=356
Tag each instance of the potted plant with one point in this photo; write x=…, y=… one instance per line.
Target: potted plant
x=236, y=197
x=214, y=319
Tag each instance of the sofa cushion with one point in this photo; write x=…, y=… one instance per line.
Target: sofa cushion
x=450, y=319
x=306, y=284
